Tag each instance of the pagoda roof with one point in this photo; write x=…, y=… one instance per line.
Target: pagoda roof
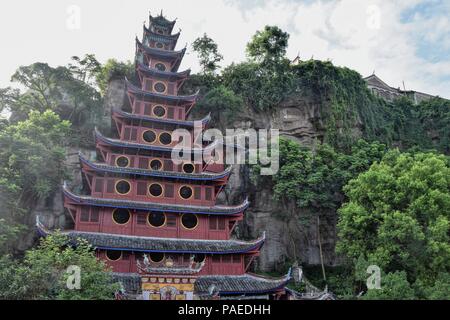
x=161, y=37
x=107, y=241
x=155, y=73
x=127, y=115
x=240, y=284
x=204, y=176
x=167, y=55
x=161, y=98
x=134, y=145
x=160, y=20
x=153, y=206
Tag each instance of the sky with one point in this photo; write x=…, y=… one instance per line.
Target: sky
x=401, y=40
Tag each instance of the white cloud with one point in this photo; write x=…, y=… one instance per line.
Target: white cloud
x=343, y=31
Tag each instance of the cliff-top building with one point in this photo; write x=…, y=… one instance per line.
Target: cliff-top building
x=153, y=221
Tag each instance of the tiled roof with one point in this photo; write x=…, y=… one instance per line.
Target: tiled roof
x=168, y=54
x=134, y=145
x=156, y=207
x=167, y=37
x=162, y=21
x=205, y=176
x=128, y=115
x=157, y=97
x=106, y=241
x=171, y=76
x=244, y=284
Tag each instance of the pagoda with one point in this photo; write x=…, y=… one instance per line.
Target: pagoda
x=153, y=221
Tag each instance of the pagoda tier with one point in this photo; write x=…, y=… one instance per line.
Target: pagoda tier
x=161, y=23
x=146, y=73
x=160, y=40
x=138, y=119
x=218, y=256
x=148, y=96
x=101, y=140
x=73, y=199
x=102, y=168
x=151, y=56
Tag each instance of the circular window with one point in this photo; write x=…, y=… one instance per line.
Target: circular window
x=160, y=31
x=159, y=111
x=160, y=66
x=189, y=221
x=199, y=258
x=160, y=87
x=165, y=138
x=186, y=192
x=156, y=219
x=149, y=136
x=156, y=257
x=159, y=45
x=122, y=162
x=121, y=216
x=155, y=190
x=113, y=255
x=188, y=168
x=156, y=165
x=123, y=187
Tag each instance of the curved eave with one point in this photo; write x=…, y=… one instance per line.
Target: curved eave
x=170, y=99
x=155, y=73
x=157, y=207
x=170, y=37
x=242, y=285
x=161, y=21
x=115, y=242
x=127, y=115
x=164, y=54
x=132, y=145
x=104, y=168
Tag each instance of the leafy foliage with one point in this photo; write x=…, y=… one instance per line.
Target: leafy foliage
x=208, y=53
x=397, y=216
x=111, y=70
x=43, y=273
x=268, y=45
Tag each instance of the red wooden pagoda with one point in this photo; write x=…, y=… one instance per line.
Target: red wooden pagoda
x=156, y=223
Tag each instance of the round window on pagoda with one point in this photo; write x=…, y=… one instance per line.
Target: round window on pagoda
x=160, y=66
x=159, y=111
x=199, y=258
x=156, y=165
x=149, y=136
x=188, y=168
x=157, y=219
x=155, y=190
x=113, y=255
x=121, y=216
x=156, y=257
x=165, y=138
x=159, y=45
x=160, y=87
x=122, y=162
x=123, y=187
x=186, y=192
x=160, y=31
x=189, y=221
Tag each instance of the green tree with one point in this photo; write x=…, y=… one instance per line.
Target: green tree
x=223, y=105
x=112, y=70
x=208, y=53
x=397, y=216
x=268, y=45
x=394, y=286
x=32, y=156
x=43, y=273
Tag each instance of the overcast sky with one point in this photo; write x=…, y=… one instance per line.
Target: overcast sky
x=404, y=40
